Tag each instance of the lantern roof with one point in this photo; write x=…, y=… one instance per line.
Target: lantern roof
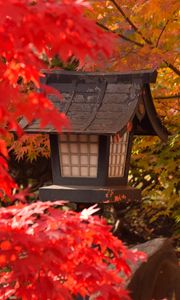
x=103, y=103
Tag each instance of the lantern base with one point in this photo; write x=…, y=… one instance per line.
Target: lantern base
x=88, y=194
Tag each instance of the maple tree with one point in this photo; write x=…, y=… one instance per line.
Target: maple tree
x=148, y=37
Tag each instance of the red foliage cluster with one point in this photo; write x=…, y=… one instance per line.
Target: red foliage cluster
x=47, y=253
x=30, y=33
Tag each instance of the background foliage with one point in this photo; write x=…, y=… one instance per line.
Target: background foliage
x=148, y=36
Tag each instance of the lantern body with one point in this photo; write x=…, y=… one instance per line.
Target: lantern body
x=88, y=168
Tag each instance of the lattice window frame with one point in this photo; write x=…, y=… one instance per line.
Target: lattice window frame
x=117, y=156
x=79, y=155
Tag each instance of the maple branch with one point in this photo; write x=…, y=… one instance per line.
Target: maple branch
x=130, y=22
x=161, y=33
x=164, y=27
x=119, y=34
x=172, y=67
x=168, y=97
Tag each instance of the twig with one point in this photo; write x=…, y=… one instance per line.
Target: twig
x=172, y=67
x=165, y=25
x=120, y=35
x=168, y=97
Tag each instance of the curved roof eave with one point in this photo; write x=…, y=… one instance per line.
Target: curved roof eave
x=155, y=121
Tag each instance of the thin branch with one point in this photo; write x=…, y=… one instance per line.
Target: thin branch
x=164, y=27
x=161, y=33
x=177, y=96
x=172, y=67
x=131, y=23
x=120, y=35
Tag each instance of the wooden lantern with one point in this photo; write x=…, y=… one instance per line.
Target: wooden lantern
x=91, y=159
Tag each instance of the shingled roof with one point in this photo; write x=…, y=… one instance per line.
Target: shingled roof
x=101, y=103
